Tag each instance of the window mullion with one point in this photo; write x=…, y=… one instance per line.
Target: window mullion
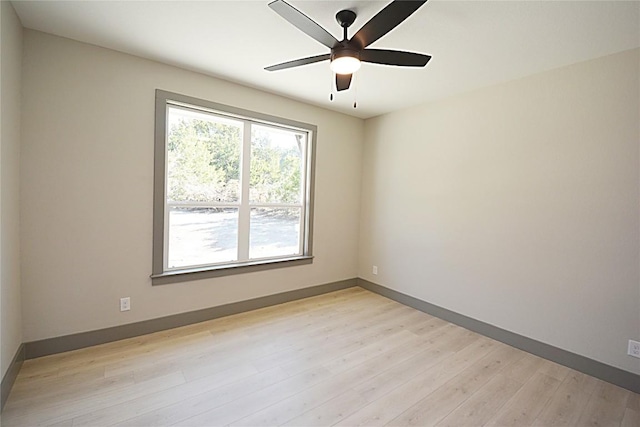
x=304, y=194
x=244, y=218
x=165, y=210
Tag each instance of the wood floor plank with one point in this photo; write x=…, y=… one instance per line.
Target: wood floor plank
x=437, y=405
x=65, y=423
x=400, y=397
x=633, y=402
x=135, y=407
x=349, y=357
x=207, y=401
x=554, y=370
x=414, y=356
x=345, y=362
x=256, y=401
x=525, y=368
x=394, y=355
x=284, y=410
x=334, y=339
x=569, y=401
x=45, y=414
x=331, y=412
x=343, y=331
x=428, y=327
x=482, y=405
x=525, y=406
x=65, y=395
x=25, y=389
x=631, y=418
x=354, y=342
x=606, y=406
x=442, y=348
x=351, y=371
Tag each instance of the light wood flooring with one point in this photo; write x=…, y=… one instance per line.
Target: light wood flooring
x=346, y=358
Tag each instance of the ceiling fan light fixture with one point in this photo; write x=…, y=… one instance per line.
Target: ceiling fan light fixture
x=345, y=65
x=346, y=55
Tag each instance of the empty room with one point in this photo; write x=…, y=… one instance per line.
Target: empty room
x=317, y=213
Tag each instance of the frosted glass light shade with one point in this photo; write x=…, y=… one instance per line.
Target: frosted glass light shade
x=345, y=65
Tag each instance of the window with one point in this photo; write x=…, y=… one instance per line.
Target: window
x=232, y=190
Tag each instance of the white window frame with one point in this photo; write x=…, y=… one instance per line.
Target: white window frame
x=161, y=272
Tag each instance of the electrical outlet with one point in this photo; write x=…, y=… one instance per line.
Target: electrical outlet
x=634, y=349
x=375, y=269
x=125, y=304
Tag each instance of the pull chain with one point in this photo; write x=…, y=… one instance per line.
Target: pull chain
x=331, y=86
x=355, y=90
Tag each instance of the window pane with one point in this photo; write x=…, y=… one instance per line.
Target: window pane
x=200, y=236
x=203, y=157
x=274, y=232
x=276, y=165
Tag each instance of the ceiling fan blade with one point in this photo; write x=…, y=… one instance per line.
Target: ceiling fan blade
x=303, y=23
x=343, y=81
x=394, y=57
x=298, y=62
x=386, y=20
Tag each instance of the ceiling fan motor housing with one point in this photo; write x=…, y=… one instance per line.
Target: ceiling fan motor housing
x=342, y=51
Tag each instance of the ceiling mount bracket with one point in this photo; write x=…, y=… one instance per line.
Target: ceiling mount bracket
x=345, y=18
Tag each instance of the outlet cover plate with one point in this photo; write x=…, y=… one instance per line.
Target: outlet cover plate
x=634, y=349
x=125, y=304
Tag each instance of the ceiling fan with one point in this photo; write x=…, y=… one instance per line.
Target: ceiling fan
x=346, y=55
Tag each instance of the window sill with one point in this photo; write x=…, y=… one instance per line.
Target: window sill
x=187, y=275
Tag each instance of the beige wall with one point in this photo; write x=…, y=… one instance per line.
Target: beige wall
x=87, y=168
x=10, y=83
x=516, y=205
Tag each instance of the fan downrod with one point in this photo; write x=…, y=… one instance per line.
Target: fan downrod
x=345, y=18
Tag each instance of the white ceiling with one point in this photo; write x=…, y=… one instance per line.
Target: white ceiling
x=473, y=43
